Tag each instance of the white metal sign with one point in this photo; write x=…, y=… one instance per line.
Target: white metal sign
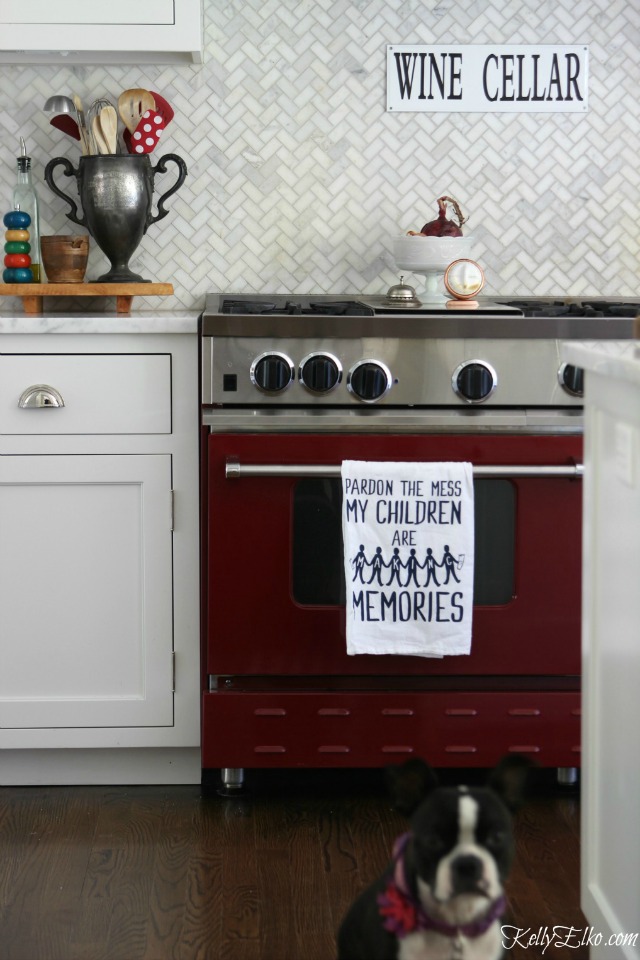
x=477, y=78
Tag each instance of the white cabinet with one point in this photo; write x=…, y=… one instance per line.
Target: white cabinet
x=99, y=559
x=85, y=591
x=87, y=31
x=610, y=842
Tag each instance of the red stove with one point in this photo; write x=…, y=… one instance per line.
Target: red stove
x=291, y=387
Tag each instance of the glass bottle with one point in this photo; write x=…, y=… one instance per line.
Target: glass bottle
x=26, y=199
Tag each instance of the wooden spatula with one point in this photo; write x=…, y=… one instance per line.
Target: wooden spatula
x=98, y=136
x=109, y=126
x=82, y=125
x=132, y=104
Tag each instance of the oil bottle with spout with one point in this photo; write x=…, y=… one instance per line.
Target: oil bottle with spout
x=25, y=198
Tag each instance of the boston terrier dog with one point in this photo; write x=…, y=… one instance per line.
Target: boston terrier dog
x=442, y=896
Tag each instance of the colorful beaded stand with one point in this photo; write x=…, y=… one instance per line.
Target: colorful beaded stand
x=17, y=248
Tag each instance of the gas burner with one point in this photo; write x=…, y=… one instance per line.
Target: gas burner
x=615, y=309
x=297, y=307
x=585, y=308
x=339, y=308
x=247, y=306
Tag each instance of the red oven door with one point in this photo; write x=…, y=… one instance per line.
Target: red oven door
x=274, y=566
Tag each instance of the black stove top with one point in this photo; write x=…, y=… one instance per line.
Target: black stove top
x=369, y=306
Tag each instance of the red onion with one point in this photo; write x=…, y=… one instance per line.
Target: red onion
x=443, y=227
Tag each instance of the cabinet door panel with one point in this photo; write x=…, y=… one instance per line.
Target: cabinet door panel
x=76, y=11
x=70, y=32
x=85, y=591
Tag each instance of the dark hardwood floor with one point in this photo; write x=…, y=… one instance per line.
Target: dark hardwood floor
x=177, y=873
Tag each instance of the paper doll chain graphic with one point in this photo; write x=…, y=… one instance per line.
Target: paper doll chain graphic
x=396, y=567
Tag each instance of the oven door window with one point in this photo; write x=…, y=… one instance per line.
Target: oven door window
x=317, y=573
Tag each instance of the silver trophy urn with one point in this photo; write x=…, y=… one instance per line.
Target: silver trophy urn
x=116, y=194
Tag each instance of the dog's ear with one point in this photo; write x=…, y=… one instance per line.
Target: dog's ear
x=410, y=784
x=511, y=779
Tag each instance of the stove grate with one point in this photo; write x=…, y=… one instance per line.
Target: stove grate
x=333, y=308
x=585, y=308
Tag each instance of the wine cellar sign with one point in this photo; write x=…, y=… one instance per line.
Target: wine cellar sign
x=477, y=78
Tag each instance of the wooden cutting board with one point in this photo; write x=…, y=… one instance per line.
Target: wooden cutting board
x=32, y=294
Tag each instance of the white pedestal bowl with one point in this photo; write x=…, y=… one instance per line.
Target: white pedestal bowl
x=430, y=257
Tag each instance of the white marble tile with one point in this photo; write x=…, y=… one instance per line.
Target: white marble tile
x=164, y=321
x=298, y=178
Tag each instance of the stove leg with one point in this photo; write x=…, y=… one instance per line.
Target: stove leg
x=567, y=776
x=232, y=781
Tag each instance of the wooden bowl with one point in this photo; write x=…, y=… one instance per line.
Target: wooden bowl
x=65, y=257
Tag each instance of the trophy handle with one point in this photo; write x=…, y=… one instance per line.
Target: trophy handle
x=161, y=167
x=68, y=172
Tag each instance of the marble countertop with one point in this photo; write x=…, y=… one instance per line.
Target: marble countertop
x=611, y=358
x=143, y=321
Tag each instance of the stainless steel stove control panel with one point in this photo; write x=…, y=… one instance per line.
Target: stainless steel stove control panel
x=368, y=371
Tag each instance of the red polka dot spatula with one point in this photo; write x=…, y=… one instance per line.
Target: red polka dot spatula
x=146, y=135
x=143, y=140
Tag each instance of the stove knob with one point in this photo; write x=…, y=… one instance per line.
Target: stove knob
x=571, y=379
x=369, y=380
x=474, y=381
x=272, y=372
x=320, y=372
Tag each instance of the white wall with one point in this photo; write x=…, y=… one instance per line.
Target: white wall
x=298, y=178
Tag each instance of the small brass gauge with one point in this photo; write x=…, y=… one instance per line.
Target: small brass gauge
x=463, y=279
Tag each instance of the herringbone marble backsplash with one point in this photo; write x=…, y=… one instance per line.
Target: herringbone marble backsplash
x=298, y=178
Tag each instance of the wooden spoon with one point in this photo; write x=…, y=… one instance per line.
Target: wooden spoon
x=82, y=126
x=132, y=104
x=98, y=136
x=109, y=126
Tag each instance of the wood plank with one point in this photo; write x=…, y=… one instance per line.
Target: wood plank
x=543, y=889
x=33, y=294
x=340, y=861
x=52, y=835
x=277, y=929
x=119, y=871
x=167, y=900
x=85, y=289
x=310, y=905
x=203, y=928
x=240, y=901
x=241, y=950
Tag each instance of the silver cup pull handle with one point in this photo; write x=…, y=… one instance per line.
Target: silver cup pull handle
x=40, y=395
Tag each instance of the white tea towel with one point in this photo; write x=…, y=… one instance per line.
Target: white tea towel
x=408, y=531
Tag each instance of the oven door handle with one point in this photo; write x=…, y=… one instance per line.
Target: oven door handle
x=234, y=470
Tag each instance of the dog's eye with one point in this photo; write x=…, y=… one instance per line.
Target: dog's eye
x=430, y=844
x=496, y=838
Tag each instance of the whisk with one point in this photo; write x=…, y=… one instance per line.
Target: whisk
x=100, y=136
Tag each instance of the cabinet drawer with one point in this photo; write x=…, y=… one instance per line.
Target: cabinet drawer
x=44, y=13
x=107, y=393
x=367, y=729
